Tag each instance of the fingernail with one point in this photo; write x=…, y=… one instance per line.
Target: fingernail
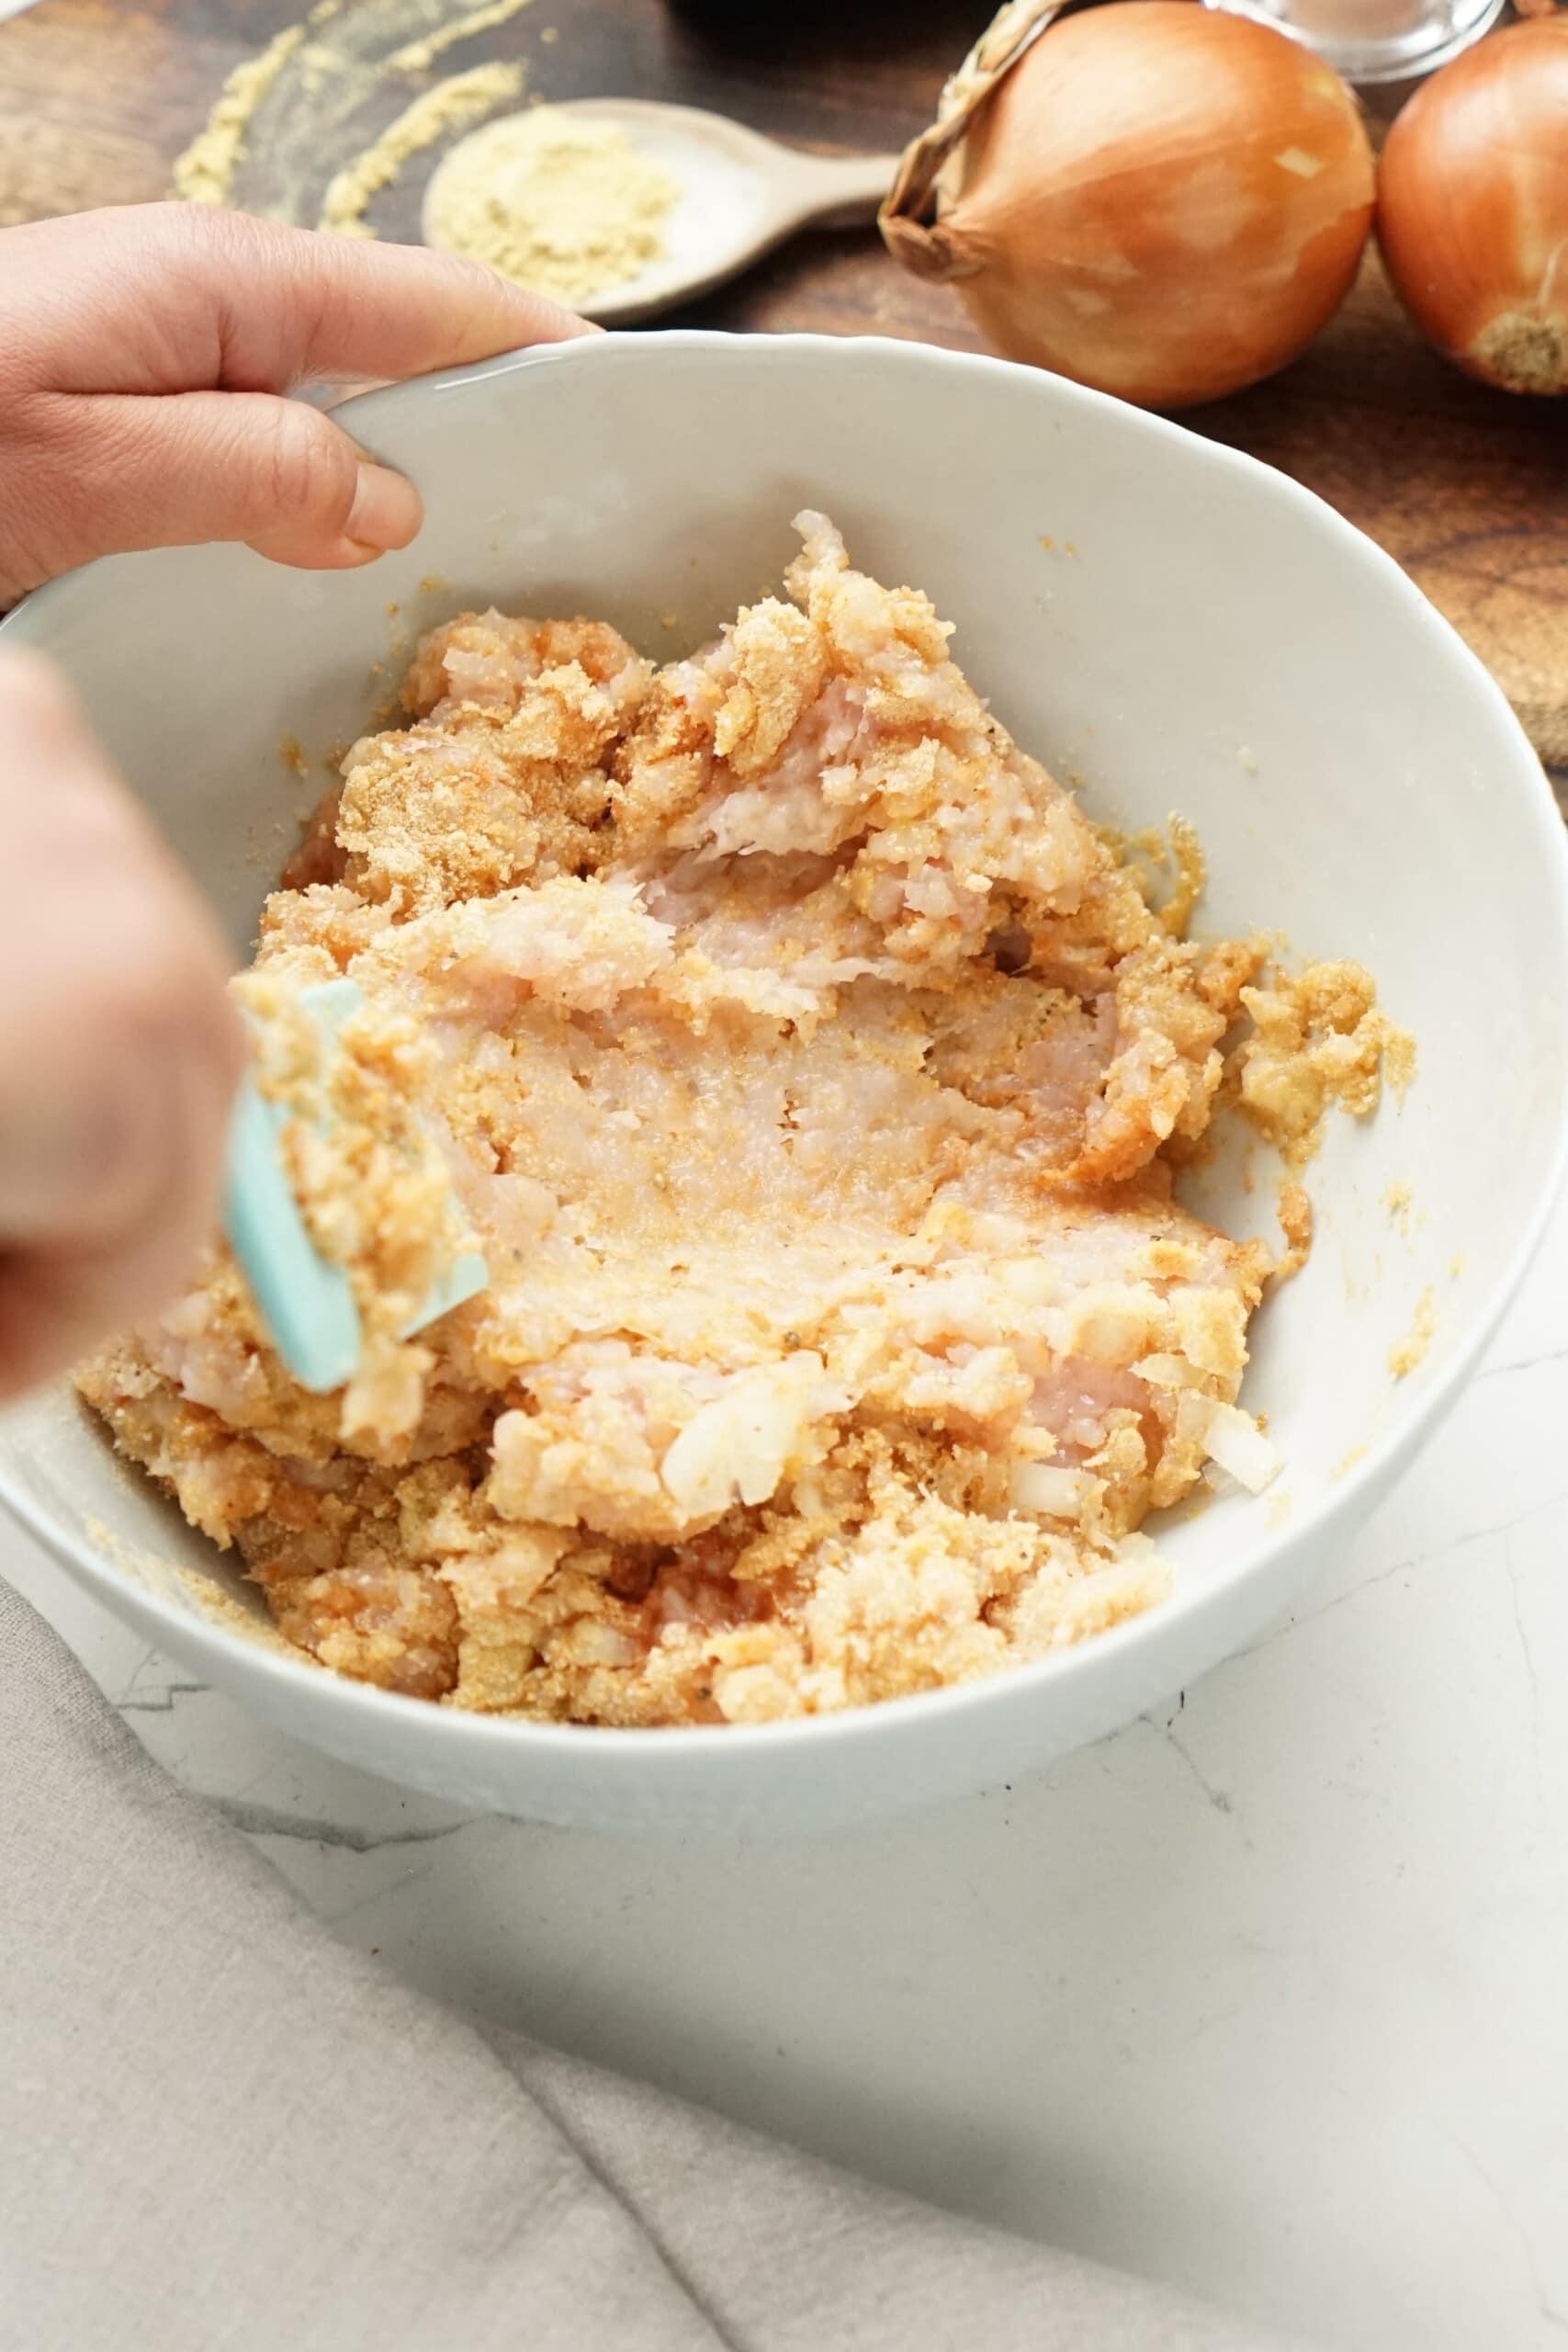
x=386, y=510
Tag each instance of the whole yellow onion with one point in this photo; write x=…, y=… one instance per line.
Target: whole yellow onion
x=1151, y=197
x=1473, y=208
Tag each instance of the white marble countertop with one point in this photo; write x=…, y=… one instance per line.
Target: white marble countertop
x=1268, y=1994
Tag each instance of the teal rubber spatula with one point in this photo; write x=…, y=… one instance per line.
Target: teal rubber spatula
x=306, y=1300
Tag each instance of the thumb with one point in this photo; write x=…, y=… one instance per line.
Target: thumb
x=177, y=471
x=119, y=1049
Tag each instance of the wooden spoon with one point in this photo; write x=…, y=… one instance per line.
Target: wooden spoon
x=744, y=195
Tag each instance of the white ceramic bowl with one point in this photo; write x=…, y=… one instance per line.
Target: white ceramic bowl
x=1173, y=625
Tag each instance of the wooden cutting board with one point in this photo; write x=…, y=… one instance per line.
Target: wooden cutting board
x=1468, y=488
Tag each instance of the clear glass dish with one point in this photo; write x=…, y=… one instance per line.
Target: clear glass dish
x=1377, y=41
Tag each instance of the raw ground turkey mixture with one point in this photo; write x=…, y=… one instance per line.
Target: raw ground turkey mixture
x=810, y=1072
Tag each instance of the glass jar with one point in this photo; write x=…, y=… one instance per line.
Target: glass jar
x=1377, y=41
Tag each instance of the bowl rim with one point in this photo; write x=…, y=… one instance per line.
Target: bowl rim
x=591, y=1745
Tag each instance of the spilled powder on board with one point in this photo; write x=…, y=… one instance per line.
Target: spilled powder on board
x=432, y=117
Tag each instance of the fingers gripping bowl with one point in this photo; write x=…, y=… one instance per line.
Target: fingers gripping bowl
x=1174, y=626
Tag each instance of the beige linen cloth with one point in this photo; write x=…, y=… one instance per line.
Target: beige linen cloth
x=220, y=2130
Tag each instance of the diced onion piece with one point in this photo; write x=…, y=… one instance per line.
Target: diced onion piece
x=1057, y=1494
x=1169, y=1372
x=1235, y=1440
x=736, y=1449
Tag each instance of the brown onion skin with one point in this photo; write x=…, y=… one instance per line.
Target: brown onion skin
x=1191, y=337
x=1473, y=208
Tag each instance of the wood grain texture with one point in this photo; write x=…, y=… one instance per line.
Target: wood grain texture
x=1466, y=486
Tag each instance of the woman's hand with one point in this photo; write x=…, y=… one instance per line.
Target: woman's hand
x=144, y=362
x=119, y=1049
x=144, y=357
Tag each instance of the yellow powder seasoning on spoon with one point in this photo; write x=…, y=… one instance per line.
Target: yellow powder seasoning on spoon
x=558, y=202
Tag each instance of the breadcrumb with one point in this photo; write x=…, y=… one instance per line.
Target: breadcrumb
x=1407, y=1354
x=1295, y=1224
x=1318, y=1040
